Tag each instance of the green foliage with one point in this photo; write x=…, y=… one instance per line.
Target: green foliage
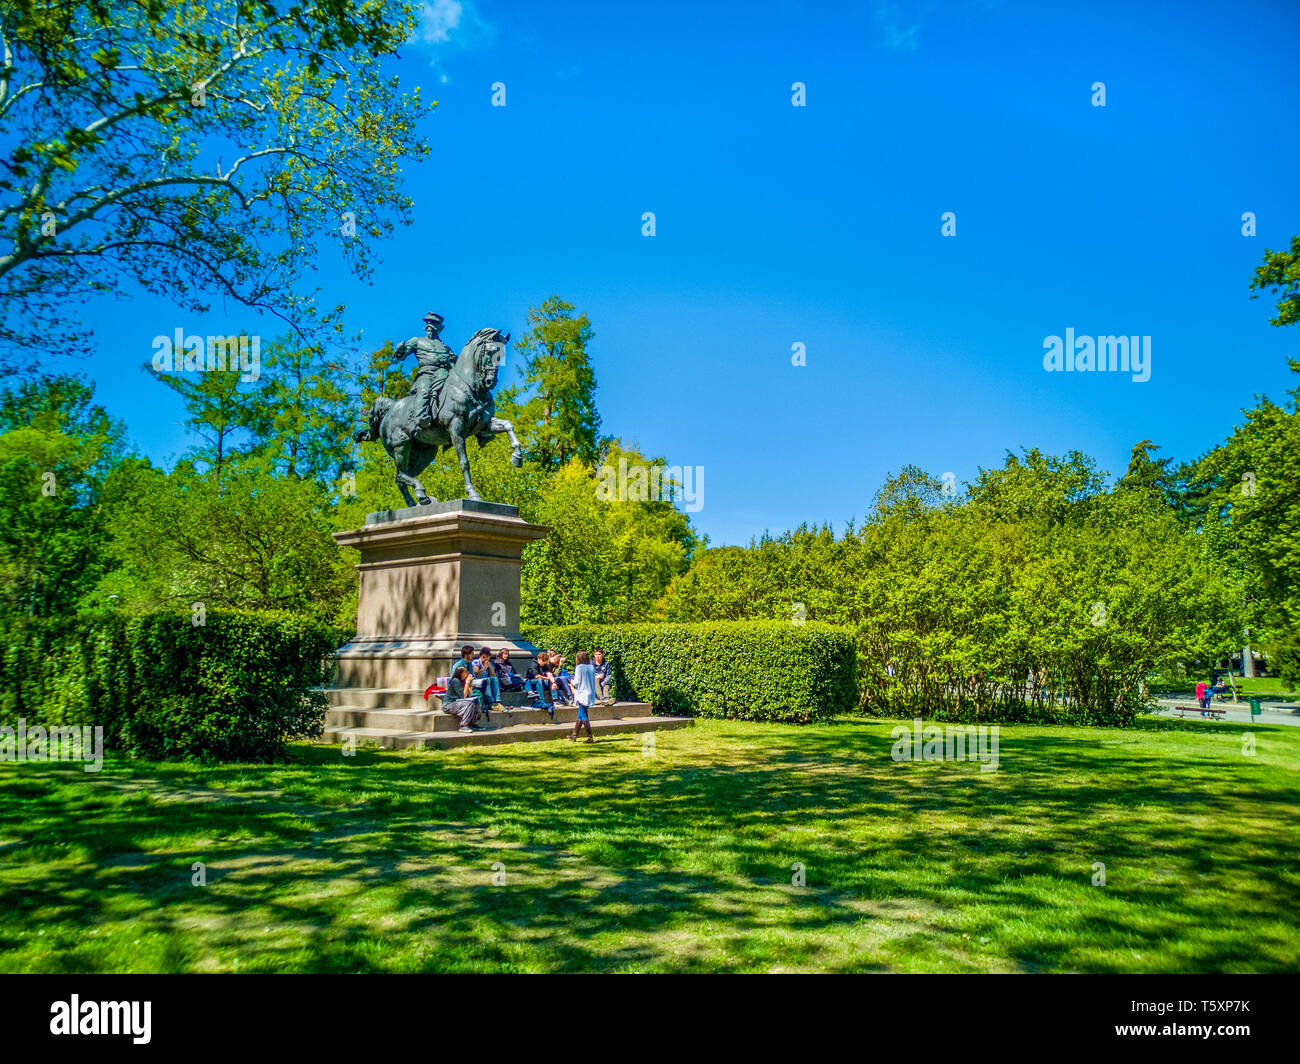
x=255, y=541
x=554, y=410
x=234, y=688
x=1284, y=656
x=218, y=409
x=1248, y=507
x=301, y=421
x=601, y=561
x=1280, y=275
x=56, y=449
x=109, y=111
x=956, y=600
x=748, y=670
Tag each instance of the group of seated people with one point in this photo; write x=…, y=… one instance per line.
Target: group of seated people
x=478, y=678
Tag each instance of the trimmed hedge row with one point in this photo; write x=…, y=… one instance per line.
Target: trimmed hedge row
x=744, y=670
x=234, y=688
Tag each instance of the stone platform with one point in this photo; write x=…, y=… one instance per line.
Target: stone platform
x=432, y=579
x=400, y=719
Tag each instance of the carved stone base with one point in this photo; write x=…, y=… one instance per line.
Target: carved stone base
x=433, y=579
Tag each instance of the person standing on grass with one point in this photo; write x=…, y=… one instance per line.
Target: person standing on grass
x=584, y=694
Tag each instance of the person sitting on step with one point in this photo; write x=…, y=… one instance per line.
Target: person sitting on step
x=460, y=700
x=485, y=679
x=537, y=682
x=466, y=659
x=604, y=679
x=506, y=675
x=563, y=682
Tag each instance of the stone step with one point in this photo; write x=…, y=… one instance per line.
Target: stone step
x=406, y=720
x=399, y=698
x=515, y=733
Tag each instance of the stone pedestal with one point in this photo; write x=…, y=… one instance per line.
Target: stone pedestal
x=433, y=579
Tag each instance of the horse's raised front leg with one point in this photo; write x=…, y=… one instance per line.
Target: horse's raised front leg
x=500, y=424
x=458, y=441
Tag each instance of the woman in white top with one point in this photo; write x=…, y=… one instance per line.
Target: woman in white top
x=584, y=694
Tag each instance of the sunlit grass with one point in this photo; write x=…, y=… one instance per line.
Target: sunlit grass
x=677, y=861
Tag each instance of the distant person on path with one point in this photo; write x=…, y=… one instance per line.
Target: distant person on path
x=1200, y=694
x=584, y=693
x=604, y=679
x=461, y=701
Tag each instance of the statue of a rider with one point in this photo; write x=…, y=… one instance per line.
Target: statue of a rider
x=435, y=360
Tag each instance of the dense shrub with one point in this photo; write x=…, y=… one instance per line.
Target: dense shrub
x=234, y=688
x=746, y=670
x=1035, y=595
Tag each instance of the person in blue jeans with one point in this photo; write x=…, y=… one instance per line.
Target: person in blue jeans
x=506, y=675
x=537, y=681
x=561, y=678
x=486, y=682
x=584, y=693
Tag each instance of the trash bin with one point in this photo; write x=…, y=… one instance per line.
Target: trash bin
x=1254, y=706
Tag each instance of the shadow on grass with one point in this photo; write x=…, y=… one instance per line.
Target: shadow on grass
x=613, y=860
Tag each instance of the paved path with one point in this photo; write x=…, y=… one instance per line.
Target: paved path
x=1287, y=713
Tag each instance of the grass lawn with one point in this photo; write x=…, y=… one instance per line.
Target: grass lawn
x=1269, y=688
x=1262, y=687
x=680, y=860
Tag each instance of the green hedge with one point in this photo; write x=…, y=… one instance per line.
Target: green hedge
x=234, y=688
x=746, y=670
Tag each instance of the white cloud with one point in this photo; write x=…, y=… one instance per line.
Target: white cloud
x=900, y=23
x=438, y=19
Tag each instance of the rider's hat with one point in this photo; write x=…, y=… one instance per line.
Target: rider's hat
x=436, y=319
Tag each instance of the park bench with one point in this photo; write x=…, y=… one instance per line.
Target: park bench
x=1209, y=712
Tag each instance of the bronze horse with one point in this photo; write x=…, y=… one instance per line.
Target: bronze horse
x=465, y=408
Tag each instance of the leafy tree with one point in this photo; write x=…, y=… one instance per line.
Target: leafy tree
x=1280, y=275
x=1151, y=476
x=1033, y=593
x=554, y=409
x=56, y=448
x=258, y=540
x=1247, y=490
x=220, y=410
x=301, y=415
x=198, y=149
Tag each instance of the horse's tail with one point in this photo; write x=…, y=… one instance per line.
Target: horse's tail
x=370, y=429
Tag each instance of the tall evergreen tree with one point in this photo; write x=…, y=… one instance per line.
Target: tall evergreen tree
x=301, y=415
x=554, y=409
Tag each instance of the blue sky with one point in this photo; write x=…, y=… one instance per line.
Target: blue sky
x=821, y=225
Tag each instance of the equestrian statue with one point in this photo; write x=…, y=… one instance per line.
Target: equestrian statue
x=450, y=402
